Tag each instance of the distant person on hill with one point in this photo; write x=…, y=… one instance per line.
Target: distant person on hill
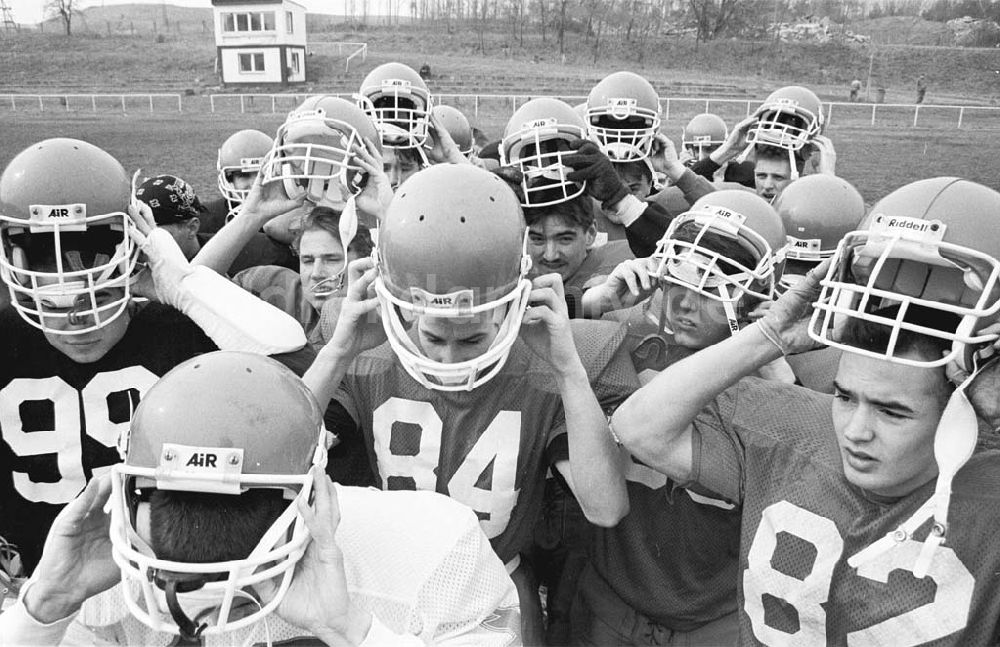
x=425, y=71
x=855, y=89
x=921, y=88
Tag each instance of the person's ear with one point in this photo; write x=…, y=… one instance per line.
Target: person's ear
x=194, y=226
x=591, y=234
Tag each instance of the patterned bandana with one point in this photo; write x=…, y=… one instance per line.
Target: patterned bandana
x=171, y=199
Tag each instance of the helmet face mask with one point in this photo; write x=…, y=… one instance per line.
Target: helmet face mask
x=68, y=255
x=917, y=260
x=178, y=441
x=536, y=141
x=398, y=101
x=788, y=119
x=315, y=152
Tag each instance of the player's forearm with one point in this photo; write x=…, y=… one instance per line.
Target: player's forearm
x=222, y=249
x=37, y=619
x=597, y=471
x=327, y=372
x=652, y=420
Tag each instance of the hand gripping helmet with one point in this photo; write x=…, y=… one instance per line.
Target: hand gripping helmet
x=315, y=151
x=223, y=423
x=817, y=210
x=536, y=140
x=623, y=116
x=67, y=254
x=399, y=103
x=242, y=152
x=931, y=243
x=685, y=255
x=789, y=118
x=453, y=245
x=706, y=130
x=457, y=126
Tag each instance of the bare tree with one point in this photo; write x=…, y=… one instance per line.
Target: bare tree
x=64, y=10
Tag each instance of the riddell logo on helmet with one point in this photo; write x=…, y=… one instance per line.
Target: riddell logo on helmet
x=910, y=227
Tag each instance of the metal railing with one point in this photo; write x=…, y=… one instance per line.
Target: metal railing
x=68, y=102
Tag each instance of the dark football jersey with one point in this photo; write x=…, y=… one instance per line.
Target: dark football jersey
x=600, y=262
x=60, y=420
x=673, y=558
x=488, y=447
x=802, y=521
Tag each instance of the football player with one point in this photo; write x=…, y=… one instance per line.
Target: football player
x=223, y=529
x=327, y=154
x=701, y=137
x=239, y=160
x=480, y=385
x=868, y=516
x=78, y=350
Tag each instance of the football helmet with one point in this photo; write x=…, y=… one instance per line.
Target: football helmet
x=931, y=243
x=453, y=245
x=706, y=130
x=732, y=214
x=457, y=126
x=817, y=210
x=536, y=141
x=242, y=152
x=67, y=253
x=221, y=423
x=623, y=116
x=788, y=118
x=315, y=151
x=399, y=103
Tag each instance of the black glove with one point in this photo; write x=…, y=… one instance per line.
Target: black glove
x=592, y=166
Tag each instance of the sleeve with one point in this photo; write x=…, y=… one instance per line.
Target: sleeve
x=470, y=599
x=694, y=186
x=706, y=168
x=647, y=230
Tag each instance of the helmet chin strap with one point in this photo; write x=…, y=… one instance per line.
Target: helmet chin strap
x=172, y=584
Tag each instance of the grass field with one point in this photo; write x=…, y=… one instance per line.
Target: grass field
x=874, y=160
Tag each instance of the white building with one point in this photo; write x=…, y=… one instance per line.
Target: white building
x=260, y=41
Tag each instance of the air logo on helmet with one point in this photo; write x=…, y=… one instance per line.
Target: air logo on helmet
x=702, y=139
x=724, y=219
x=396, y=84
x=458, y=303
x=804, y=244
x=916, y=229
x=540, y=123
x=200, y=469
x=69, y=217
x=249, y=164
x=786, y=101
x=621, y=107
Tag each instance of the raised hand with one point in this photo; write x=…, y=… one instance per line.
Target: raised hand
x=374, y=199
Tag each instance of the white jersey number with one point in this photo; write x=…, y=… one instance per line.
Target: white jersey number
x=495, y=452
x=72, y=411
x=946, y=614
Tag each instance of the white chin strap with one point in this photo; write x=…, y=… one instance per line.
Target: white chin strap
x=954, y=442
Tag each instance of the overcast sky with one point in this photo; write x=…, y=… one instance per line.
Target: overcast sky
x=30, y=11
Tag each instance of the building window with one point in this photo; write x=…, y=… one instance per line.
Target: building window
x=248, y=22
x=290, y=22
x=296, y=63
x=252, y=62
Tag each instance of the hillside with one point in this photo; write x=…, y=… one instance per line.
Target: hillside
x=138, y=48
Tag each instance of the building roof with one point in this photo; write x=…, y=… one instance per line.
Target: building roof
x=225, y=3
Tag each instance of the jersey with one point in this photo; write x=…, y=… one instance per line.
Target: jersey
x=802, y=521
x=417, y=561
x=673, y=558
x=488, y=448
x=816, y=369
x=597, y=265
x=60, y=420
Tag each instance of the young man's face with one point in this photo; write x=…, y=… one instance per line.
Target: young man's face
x=321, y=261
x=242, y=181
x=398, y=166
x=558, y=245
x=885, y=416
x=87, y=347
x=696, y=320
x=453, y=340
x=771, y=176
x=636, y=176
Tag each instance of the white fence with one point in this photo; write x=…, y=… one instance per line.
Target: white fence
x=78, y=102
x=675, y=109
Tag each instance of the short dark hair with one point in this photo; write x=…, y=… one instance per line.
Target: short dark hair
x=197, y=527
x=780, y=154
x=328, y=220
x=578, y=212
x=874, y=337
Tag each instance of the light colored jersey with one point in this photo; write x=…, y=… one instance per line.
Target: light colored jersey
x=802, y=521
x=417, y=561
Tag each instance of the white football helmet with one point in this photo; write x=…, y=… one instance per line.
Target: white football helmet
x=223, y=423
x=242, y=152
